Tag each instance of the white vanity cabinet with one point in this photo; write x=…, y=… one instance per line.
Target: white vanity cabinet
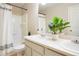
x=34, y=49
x=49, y=52
x=28, y=51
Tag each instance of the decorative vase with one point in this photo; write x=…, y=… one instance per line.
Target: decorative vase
x=55, y=36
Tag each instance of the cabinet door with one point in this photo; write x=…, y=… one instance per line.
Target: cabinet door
x=28, y=51
x=35, y=47
x=51, y=53
x=34, y=53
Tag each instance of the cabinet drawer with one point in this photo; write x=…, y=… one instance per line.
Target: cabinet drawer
x=36, y=47
x=49, y=52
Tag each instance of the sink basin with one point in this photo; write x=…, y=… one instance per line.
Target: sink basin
x=70, y=45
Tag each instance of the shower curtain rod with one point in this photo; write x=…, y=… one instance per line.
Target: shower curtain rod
x=5, y=8
x=16, y=6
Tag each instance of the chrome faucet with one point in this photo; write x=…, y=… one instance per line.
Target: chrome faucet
x=76, y=41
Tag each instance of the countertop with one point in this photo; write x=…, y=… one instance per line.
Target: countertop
x=53, y=45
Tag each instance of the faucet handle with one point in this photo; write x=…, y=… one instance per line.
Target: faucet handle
x=76, y=41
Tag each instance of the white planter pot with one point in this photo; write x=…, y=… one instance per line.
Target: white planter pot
x=55, y=36
x=52, y=37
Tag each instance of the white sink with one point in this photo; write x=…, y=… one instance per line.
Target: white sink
x=69, y=44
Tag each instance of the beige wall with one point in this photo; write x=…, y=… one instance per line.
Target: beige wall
x=32, y=17
x=61, y=11
x=24, y=22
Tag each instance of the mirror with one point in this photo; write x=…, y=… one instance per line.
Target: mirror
x=73, y=15
x=68, y=11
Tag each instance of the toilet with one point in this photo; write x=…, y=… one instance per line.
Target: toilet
x=19, y=49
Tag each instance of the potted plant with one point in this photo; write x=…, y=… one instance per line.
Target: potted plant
x=57, y=25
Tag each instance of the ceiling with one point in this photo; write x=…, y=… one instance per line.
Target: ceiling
x=51, y=5
x=42, y=7
x=23, y=5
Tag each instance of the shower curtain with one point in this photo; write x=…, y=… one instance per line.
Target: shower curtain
x=17, y=32
x=1, y=28
x=10, y=29
x=7, y=29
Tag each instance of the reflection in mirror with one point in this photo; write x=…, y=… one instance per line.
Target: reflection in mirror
x=67, y=11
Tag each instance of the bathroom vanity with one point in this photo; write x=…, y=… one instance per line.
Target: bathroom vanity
x=40, y=46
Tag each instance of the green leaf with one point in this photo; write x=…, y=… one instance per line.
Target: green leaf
x=65, y=27
x=55, y=20
x=58, y=24
x=66, y=23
